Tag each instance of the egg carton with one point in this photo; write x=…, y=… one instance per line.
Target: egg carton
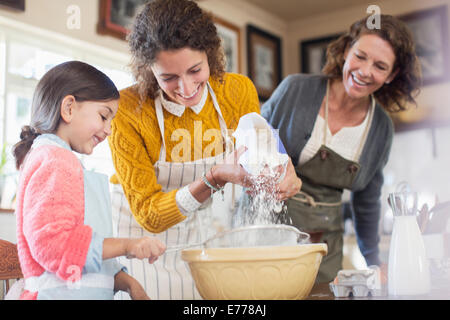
x=360, y=283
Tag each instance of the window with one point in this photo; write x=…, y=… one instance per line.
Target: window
x=26, y=54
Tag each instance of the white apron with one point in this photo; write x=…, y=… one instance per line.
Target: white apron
x=169, y=277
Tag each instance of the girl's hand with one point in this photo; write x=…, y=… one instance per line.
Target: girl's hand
x=124, y=282
x=137, y=292
x=145, y=248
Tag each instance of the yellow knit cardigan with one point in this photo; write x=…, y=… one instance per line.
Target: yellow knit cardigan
x=135, y=144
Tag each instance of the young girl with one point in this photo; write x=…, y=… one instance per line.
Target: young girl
x=63, y=211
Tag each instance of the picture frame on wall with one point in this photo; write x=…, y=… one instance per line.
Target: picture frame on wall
x=313, y=53
x=264, y=60
x=16, y=5
x=430, y=31
x=231, y=42
x=116, y=16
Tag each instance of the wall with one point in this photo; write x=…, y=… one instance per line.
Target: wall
x=240, y=14
x=51, y=15
x=334, y=22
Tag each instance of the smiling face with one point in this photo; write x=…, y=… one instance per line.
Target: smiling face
x=368, y=66
x=182, y=75
x=86, y=124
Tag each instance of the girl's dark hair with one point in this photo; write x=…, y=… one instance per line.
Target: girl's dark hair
x=171, y=25
x=405, y=86
x=75, y=78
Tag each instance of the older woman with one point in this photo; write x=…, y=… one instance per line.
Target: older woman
x=169, y=138
x=336, y=129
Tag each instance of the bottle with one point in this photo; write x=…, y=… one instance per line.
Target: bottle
x=408, y=267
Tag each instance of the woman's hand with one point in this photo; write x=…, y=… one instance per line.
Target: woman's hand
x=230, y=170
x=290, y=185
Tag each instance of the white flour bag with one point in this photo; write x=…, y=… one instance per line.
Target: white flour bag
x=265, y=151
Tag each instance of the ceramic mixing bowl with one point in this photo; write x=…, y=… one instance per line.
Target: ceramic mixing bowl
x=255, y=273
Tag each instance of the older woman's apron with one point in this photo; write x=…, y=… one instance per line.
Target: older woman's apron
x=317, y=208
x=169, y=277
x=93, y=285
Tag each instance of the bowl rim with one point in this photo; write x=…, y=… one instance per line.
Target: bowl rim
x=261, y=253
x=284, y=227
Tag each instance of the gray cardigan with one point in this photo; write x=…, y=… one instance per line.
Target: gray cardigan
x=293, y=109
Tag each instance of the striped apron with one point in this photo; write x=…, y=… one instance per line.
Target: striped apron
x=317, y=208
x=169, y=277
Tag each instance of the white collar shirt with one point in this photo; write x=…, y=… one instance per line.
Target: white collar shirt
x=178, y=109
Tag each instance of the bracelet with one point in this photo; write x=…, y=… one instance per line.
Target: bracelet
x=212, y=176
x=209, y=185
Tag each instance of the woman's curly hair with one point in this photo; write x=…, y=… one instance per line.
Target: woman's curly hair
x=170, y=25
x=405, y=86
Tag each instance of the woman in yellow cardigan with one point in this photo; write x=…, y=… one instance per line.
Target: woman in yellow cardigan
x=169, y=139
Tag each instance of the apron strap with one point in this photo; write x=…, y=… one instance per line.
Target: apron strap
x=160, y=118
x=306, y=198
x=223, y=126
x=229, y=145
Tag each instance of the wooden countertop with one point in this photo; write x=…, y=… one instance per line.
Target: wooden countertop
x=321, y=291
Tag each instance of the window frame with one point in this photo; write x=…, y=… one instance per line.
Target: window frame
x=18, y=32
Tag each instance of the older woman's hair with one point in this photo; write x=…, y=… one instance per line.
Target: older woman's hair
x=405, y=86
x=171, y=25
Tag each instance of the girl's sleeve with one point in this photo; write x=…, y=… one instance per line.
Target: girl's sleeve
x=94, y=256
x=53, y=215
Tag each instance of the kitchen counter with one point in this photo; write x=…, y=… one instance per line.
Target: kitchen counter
x=322, y=291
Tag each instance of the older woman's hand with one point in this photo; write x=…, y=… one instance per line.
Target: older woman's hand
x=290, y=185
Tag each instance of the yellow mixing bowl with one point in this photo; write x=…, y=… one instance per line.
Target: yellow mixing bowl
x=255, y=273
